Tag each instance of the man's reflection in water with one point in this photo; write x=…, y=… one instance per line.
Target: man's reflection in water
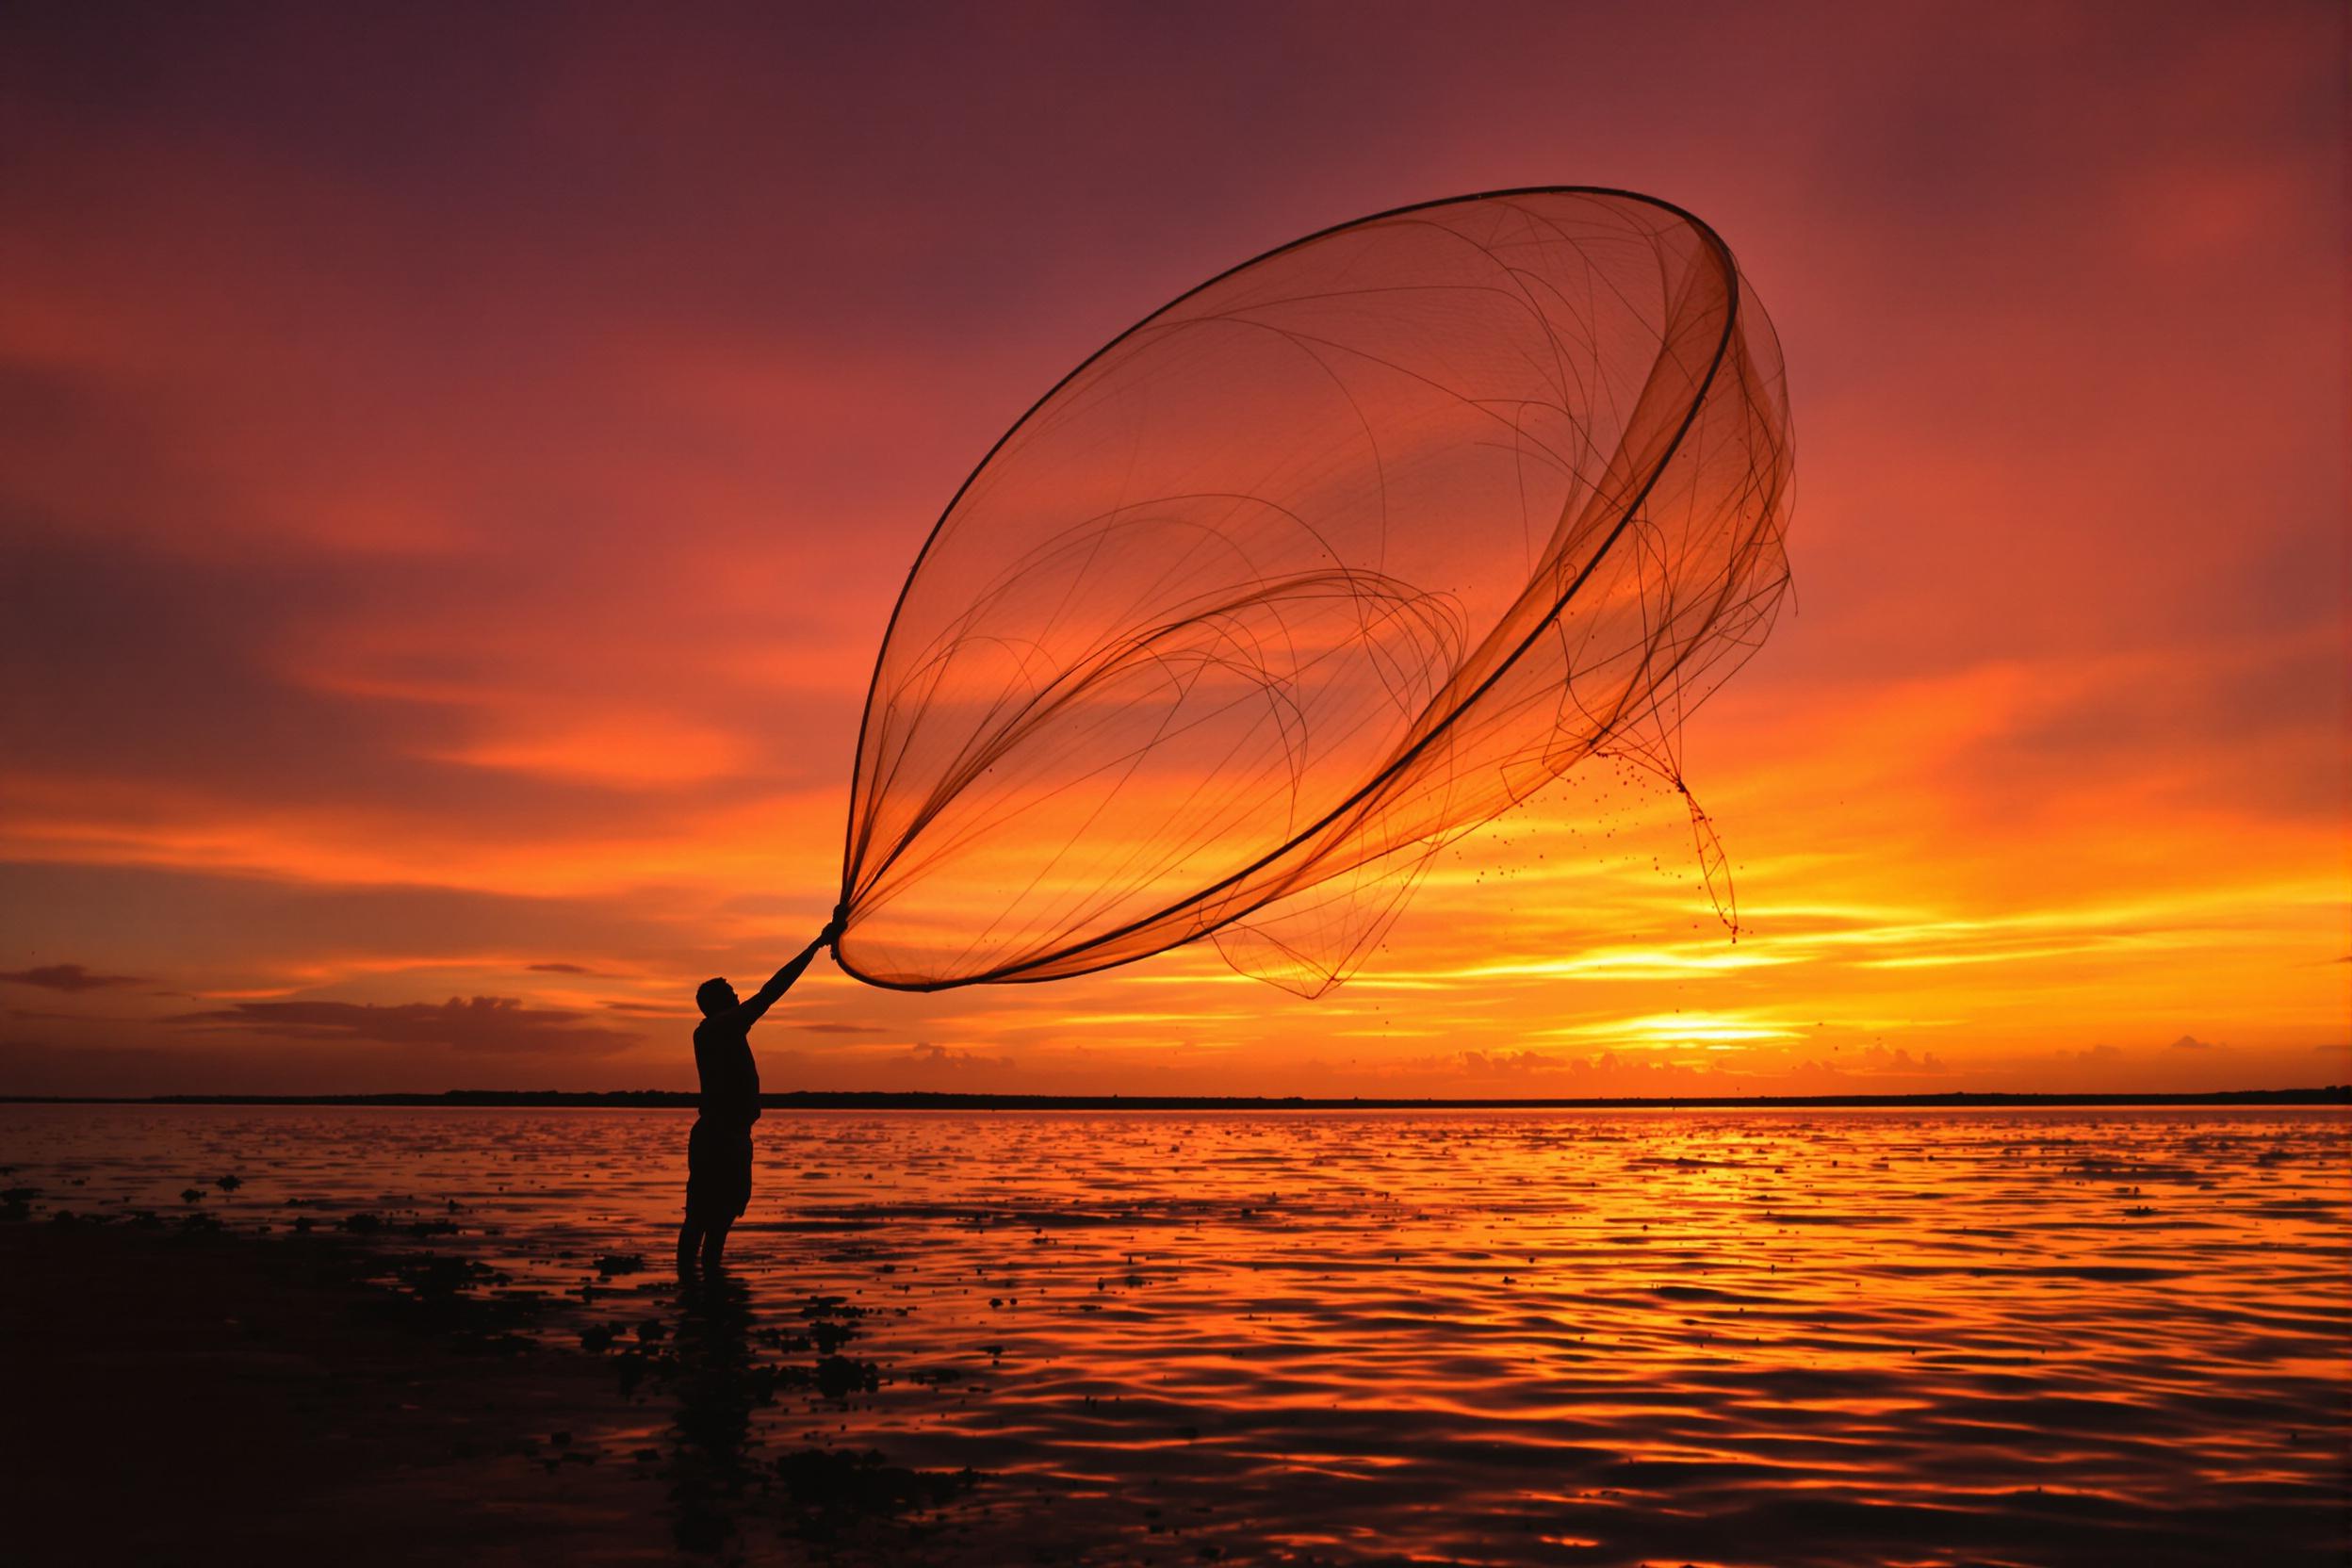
x=721, y=1477
x=711, y=1464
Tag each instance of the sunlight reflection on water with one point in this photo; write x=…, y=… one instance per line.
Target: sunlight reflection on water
x=1479, y=1336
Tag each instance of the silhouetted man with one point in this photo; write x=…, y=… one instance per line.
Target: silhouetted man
x=718, y=1151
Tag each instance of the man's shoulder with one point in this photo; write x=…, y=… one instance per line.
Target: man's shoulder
x=721, y=1028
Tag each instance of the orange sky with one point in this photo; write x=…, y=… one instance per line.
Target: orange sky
x=449, y=498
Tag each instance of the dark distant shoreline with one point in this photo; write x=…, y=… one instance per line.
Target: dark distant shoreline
x=2333, y=1094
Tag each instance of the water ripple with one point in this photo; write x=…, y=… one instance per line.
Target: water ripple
x=1482, y=1338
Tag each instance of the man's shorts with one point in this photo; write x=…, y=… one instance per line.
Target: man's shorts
x=718, y=1173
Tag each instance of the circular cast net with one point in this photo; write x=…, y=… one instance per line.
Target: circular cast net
x=1333, y=558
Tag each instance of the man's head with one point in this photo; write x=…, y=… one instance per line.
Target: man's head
x=714, y=996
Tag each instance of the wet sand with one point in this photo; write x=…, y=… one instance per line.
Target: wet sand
x=200, y=1398
x=181, y=1395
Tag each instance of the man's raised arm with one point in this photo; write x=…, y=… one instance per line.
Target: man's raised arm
x=755, y=1006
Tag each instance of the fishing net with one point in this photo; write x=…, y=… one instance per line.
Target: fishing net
x=1333, y=558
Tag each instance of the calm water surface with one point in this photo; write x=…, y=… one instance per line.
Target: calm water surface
x=1483, y=1337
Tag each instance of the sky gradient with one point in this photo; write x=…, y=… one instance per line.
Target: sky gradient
x=455, y=469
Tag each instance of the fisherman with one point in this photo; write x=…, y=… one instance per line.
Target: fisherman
x=718, y=1151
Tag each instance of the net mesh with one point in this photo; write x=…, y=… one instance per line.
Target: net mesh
x=1333, y=558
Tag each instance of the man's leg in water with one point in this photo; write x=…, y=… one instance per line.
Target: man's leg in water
x=713, y=1245
x=689, y=1241
x=729, y=1164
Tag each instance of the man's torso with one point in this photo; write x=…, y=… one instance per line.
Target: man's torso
x=729, y=1076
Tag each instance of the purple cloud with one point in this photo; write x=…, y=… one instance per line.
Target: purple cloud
x=66, y=977
x=492, y=1024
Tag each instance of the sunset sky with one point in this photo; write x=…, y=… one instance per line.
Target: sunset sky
x=456, y=463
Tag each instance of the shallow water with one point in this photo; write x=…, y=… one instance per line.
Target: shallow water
x=1715, y=1337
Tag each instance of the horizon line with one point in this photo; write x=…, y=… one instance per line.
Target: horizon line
x=2331, y=1094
